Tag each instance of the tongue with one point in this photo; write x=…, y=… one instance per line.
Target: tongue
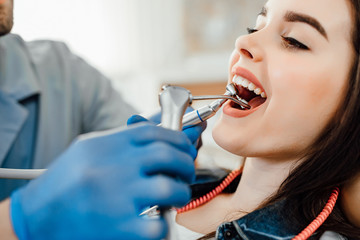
x=251, y=97
x=246, y=94
x=257, y=101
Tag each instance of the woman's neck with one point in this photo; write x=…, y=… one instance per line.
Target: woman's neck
x=260, y=179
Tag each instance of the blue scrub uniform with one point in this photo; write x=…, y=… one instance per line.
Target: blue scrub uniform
x=49, y=96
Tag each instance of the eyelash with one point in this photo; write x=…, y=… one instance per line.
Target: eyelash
x=288, y=42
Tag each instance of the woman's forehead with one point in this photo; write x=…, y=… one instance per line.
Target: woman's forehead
x=334, y=15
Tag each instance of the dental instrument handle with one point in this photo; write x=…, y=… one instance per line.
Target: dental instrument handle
x=173, y=101
x=191, y=118
x=202, y=114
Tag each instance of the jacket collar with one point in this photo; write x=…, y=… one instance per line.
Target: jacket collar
x=18, y=79
x=12, y=118
x=17, y=82
x=269, y=223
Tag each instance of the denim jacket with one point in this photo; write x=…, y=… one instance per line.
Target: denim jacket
x=269, y=223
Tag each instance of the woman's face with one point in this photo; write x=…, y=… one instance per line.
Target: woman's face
x=299, y=55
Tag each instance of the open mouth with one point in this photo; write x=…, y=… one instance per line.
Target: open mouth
x=248, y=91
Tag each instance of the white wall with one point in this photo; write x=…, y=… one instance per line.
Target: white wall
x=116, y=35
x=123, y=38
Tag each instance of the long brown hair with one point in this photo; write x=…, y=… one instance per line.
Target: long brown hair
x=333, y=160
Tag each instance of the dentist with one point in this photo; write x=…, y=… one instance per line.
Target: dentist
x=96, y=184
x=98, y=187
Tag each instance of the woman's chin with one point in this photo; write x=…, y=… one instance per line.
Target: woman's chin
x=226, y=142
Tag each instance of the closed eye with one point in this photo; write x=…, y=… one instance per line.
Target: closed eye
x=292, y=43
x=288, y=42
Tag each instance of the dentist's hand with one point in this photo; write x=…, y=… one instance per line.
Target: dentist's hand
x=193, y=132
x=99, y=186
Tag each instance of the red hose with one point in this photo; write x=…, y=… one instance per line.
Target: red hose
x=206, y=198
x=320, y=219
x=305, y=234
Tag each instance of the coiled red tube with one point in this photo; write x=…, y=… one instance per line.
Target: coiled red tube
x=209, y=196
x=305, y=234
x=320, y=219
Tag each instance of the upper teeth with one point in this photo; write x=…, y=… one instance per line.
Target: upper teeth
x=248, y=85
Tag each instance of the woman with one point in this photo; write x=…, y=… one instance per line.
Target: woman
x=301, y=137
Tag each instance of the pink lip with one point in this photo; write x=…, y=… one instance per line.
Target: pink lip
x=236, y=113
x=242, y=72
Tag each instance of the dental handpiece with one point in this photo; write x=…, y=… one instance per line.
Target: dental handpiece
x=174, y=101
x=171, y=119
x=206, y=112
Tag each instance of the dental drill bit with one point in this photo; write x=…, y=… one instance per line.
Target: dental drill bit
x=232, y=91
x=237, y=100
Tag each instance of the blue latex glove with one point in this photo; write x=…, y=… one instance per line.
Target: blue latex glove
x=193, y=132
x=97, y=188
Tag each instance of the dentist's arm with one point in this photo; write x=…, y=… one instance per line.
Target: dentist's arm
x=6, y=230
x=99, y=186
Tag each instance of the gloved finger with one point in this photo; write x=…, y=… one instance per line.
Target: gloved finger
x=147, y=134
x=189, y=109
x=169, y=161
x=156, y=118
x=194, y=132
x=136, y=119
x=163, y=191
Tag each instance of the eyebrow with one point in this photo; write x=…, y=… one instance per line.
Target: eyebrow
x=298, y=17
x=303, y=18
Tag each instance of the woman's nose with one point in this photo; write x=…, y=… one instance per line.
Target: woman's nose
x=248, y=47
